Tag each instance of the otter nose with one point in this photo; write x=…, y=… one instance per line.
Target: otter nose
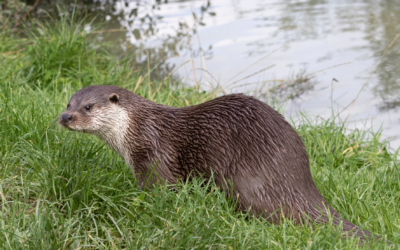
x=65, y=118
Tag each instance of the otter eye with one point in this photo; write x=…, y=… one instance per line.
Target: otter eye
x=87, y=107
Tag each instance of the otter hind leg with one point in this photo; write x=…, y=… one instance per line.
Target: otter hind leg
x=252, y=196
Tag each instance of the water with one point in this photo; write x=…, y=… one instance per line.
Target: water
x=281, y=39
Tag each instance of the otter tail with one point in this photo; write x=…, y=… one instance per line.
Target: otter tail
x=349, y=228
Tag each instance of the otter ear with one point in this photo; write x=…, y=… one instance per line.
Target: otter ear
x=114, y=98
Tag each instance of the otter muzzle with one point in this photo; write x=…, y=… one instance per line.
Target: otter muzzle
x=66, y=119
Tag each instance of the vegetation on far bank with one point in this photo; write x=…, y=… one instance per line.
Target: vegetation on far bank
x=64, y=190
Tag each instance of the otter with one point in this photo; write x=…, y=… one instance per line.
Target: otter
x=251, y=151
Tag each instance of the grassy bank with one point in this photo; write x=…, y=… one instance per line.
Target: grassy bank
x=64, y=190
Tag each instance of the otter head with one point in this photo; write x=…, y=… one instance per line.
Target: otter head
x=97, y=110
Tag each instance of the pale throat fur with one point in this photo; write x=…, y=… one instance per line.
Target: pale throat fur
x=112, y=126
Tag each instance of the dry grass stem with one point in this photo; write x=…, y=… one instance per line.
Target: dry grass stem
x=208, y=72
x=201, y=48
x=148, y=72
x=359, y=92
x=191, y=58
x=254, y=64
x=253, y=74
x=170, y=74
x=105, y=31
x=139, y=81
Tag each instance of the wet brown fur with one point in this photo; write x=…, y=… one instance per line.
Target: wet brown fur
x=253, y=153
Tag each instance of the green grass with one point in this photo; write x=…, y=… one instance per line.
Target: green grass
x=64, y=190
